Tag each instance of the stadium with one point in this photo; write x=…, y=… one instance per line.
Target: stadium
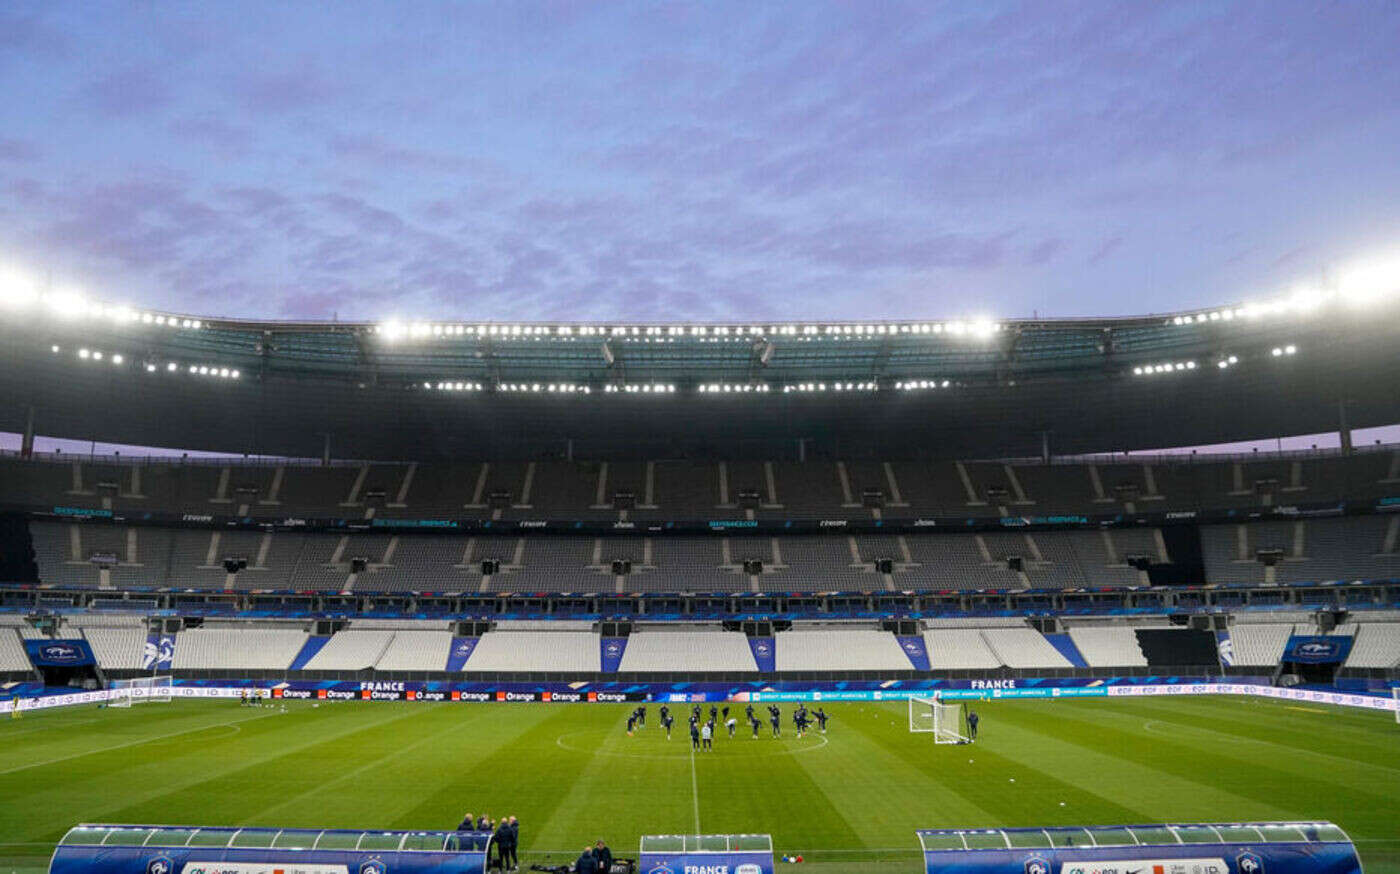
x=478, y=588
x=604, y=516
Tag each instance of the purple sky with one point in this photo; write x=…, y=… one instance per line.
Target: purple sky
x=719, y=161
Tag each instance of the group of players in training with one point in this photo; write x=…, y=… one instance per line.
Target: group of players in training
x=703, y=731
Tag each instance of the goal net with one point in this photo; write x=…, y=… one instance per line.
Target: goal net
x=141, y=690
x=946, y=721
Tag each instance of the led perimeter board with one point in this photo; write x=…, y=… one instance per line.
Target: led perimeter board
x=151, y=849
x=1198, y=848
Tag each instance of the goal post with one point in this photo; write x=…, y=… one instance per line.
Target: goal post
x=141, y=690
x=945, y=720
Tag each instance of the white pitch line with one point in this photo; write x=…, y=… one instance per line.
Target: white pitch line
x=694, y=790
x=134, y=743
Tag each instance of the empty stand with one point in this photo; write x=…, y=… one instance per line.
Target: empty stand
x=1113, y=647
x=838, y=650
x=683, y=651
x=249, y=647
x=545, y=651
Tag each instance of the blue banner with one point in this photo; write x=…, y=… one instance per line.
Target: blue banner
x=1216, y=858
x=709, y=863
x=610, y=650
x=253, y=860
x=1317, y=649
x=160, y=652
x=764, y=653
x=914, y=650
x=462, y=649
x=59, y=653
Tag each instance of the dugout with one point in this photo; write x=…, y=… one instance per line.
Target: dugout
x=147, y=849
x=707, y=854
x=1202, y=848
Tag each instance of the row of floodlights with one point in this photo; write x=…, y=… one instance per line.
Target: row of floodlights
x=116, y=359
x=18, y=293
x=394, y=330
x=1224, y=362
x=1358, y=284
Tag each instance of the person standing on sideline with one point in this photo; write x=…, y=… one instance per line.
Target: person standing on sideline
x=467, y=824
x=514, y=844
x=604, y=855
x=972, y=725
x=587, y=863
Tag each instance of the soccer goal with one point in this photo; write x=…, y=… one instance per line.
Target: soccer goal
x=141, y=690
x=946, y=721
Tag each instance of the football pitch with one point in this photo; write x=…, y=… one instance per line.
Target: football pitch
x=849, y=800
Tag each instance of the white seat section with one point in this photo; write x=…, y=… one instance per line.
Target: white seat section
x=250, y=647
x=1259, y=644
x=1024, y=648
x=839, y=650
x=1377, y=645
x=29, y=632
x=416, y=651
x=561, y=651
x=1108, y=647
x=958, y=649
x=12, y=655
x=677, y=651
x=352, y=650
x=117, y=648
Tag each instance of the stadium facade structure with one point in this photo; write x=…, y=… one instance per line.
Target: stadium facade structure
x=520, y=438
x=483, y=390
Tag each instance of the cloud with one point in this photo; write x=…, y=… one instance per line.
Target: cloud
x=18, y=151
x=127, y=93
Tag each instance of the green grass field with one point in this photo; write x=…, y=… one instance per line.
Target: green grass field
x=848, y=801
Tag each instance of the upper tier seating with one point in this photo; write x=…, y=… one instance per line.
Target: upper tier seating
x=690, y=490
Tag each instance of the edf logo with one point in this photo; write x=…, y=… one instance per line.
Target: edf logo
x=160, y=865
x=1037, y=865
x=1249, y=863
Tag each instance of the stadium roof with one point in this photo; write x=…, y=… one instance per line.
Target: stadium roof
x=969, y=389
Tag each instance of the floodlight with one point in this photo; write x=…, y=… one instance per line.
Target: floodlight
x=65, y=304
